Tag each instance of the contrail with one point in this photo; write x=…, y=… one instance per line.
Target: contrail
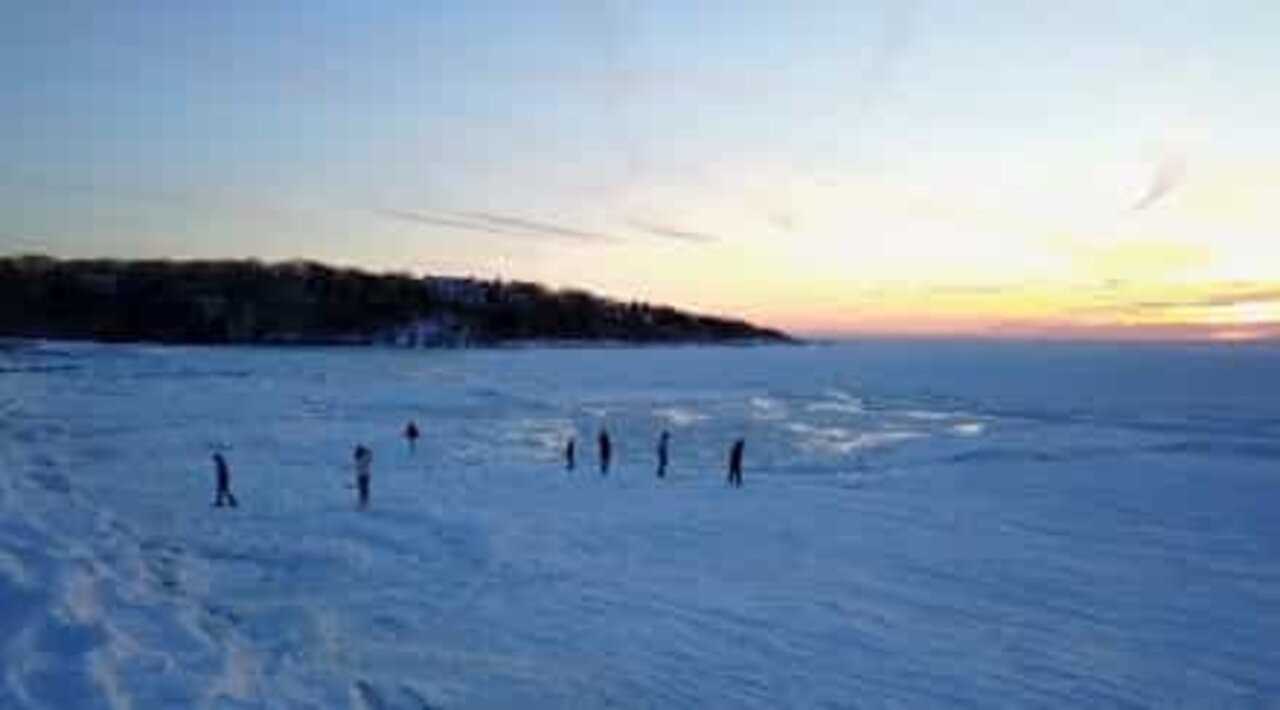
x=522, y=224
x=497, y=224
x=684, y=235
x=450, y=222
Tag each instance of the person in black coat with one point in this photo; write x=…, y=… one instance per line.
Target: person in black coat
x=664, y=443
x=364, y=463
x=411, y=435
x=223, y=496
x=735, y=463
x=606, y=451
x=570, y=454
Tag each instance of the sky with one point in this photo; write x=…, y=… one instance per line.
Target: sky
x=902, y=167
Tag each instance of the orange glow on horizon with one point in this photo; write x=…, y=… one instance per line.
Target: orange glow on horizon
x=1178, y=314
x=1057, y=251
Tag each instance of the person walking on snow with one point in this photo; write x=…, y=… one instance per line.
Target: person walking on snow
x=606, y=451
x=735, y=463
x=570, y=455
x=411, y=435
x=664, y=441
x=223, y=495
x=364, y=462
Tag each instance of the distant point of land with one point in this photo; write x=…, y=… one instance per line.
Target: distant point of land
x=307, y=303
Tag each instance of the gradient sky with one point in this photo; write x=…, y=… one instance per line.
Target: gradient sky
x=911, y=166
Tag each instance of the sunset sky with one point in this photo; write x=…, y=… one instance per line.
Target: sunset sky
x=1002, y=167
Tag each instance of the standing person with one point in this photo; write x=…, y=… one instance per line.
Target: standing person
x=570, y=455
x=664, y=442
x=411, y=435
x=606, y=451
x=223, y=495
x=735, y=463
x=364, y=462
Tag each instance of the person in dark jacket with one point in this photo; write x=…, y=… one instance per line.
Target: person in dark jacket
x=606, y=451
x=664, y=443
x=735, y=463
x=411, y=435
x=364, y=463
x=570, y=455
x=223, y=496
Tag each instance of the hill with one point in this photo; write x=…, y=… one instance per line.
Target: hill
x=303, y=302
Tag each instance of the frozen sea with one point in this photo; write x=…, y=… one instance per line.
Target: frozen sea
x=923, y=525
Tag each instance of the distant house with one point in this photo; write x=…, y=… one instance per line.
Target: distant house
x=443, y=330
x=461, y=291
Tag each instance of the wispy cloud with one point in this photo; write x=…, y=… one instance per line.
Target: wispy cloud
x=495, y=224
x=1216, y=300
x=510, y=225
x=1170, y=173
x=435, y=220
x=532, y=226
x=684, y=235
x=1227, y=297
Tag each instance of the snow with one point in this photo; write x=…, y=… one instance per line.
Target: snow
x=943, y=525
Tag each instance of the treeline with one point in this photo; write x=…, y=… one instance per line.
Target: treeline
x=309, y=303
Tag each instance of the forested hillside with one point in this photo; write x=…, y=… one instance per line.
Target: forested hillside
x=309, y=303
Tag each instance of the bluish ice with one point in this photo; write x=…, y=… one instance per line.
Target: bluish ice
x=923, y=525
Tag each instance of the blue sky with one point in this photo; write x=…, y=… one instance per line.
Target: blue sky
x=899, y=166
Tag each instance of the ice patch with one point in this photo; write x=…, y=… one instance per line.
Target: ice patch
x=839, y=440
x=546, y=435
x=767, y=409
x=838, y=402
x=679, y=416
x=840, y=407
x=879, y=439
x=969, y=429
x=928, y=415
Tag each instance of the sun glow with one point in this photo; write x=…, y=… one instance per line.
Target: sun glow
x=929, y=254
x=1243, y=313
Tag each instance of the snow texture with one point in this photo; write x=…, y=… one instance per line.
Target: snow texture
x=941, y=525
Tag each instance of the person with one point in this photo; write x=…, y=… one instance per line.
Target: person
x=411, y=435
x=606, y=451
x=664, y=441
x=364, y=461
x=735, y=463
x=223, y=496
x=570, y=455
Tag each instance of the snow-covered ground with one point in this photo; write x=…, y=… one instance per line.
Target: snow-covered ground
x=923, y=525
